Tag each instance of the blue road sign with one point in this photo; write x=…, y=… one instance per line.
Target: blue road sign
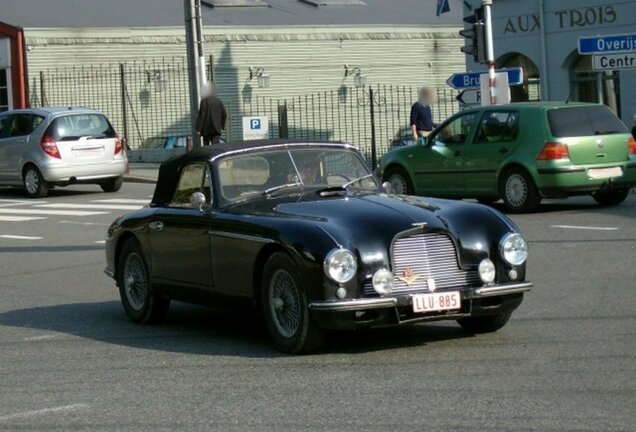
x=255, y=124
x=469, y=80
x=608, y=44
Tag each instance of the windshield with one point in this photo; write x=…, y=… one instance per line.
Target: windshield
x=260, y=173
x=584, y=121
x=74, y=126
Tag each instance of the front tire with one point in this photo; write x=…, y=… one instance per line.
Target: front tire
x=485, y=324
x=141, y=302
x=112, y=185
x=612, y=197
x=34, y=184
x=285, y=307
x=518, y=191
x=400, y=181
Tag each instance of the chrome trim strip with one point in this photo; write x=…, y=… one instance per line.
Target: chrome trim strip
x=353, y=305
x=241, y=236
x=284, y=146
x=503, y=289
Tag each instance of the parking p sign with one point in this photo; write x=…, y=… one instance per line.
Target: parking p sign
x=255, y=127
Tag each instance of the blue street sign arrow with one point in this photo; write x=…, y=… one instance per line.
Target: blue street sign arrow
x=608, y=44
x=468, y=80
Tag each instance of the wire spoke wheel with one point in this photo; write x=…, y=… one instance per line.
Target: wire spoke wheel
x=135, y=281
x=516, y=189
x=285, y=303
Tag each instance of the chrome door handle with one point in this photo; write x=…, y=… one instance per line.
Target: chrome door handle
x=156, y=226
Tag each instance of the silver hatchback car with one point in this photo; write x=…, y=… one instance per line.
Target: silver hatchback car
x=45, y=147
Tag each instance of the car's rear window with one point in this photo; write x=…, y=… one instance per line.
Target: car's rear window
x=584, y=121
x=75, y=126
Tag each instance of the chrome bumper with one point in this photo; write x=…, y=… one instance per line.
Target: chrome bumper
x=388, y=302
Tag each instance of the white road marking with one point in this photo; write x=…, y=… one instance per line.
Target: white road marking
x=91, y=206
x=100, y=241
x=83, y=223
x=19, y=237
x=29, y=202
x=25, y=414
x=41, y=337
x=592, y=228
x=52, y=212
x=122, y=201
x=19, y=218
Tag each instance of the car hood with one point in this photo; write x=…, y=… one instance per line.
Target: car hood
x=369, y=222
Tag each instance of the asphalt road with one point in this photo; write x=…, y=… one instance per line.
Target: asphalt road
x=70, y=360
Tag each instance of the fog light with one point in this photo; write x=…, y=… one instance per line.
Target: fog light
x=383, y=281
x=341, y=293
x=487, y=271
x=512, y=274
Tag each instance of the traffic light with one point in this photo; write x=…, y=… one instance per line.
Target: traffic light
x=476, y=35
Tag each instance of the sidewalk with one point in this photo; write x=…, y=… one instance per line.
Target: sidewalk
x=142, y=172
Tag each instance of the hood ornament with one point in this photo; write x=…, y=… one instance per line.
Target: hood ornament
x=600, y=143
x=409, y=276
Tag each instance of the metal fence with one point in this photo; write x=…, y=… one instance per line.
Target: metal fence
x=148, y=104
x=371, y=117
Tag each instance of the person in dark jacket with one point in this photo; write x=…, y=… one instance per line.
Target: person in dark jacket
x=212, y=117
x=421, y=114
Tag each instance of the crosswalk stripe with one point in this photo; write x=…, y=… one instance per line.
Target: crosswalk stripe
x=51, y=212
x=19, y=218
x=122, y=201
x=19, y=237
x=90, y=206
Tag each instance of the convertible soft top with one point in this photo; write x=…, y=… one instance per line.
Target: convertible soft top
x=170, y=170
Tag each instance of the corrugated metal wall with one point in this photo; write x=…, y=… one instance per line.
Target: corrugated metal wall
x=299, y=60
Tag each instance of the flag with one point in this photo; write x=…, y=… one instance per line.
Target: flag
x=442, y=7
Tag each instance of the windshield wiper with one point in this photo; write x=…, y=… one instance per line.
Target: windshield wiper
x=354, y=181
x=606, y=132
x=270, y=191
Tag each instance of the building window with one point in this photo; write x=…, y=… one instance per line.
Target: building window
x=588, y=85
x=4, y=90
x=530, y=90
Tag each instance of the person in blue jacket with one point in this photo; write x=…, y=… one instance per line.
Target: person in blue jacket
x=421, y=114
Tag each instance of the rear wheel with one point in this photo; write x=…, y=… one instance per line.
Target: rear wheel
x=285, y=307
x=485, y=324
x=400, y=181
x=141, y=302
x=612, y=197
x=518, y=191
x=112, y=185
x=34, y=184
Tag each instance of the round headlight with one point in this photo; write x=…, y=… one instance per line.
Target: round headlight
x=514, y=249
x=341, y=265
x=383, y=281
x=487, y=271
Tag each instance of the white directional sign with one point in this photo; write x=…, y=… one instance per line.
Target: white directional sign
x=255, y=127
x=614, y=61
x=469, y=97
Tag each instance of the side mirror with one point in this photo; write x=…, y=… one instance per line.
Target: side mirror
x=197, y=200
x=388, y=187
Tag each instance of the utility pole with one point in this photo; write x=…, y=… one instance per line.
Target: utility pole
x=490, y=52
x=196, y=62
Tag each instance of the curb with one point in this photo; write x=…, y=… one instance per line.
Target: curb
x=137, y=179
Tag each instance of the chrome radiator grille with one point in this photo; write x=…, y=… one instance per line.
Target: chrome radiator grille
x=427, y=262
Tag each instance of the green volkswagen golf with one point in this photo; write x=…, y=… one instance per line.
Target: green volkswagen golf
x=520, y=153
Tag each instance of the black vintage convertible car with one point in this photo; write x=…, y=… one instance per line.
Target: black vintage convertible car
x=304, y=232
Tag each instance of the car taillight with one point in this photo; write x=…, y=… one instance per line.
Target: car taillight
x=554, y=151
x=631, y=143
x=49, y=146
x=118, y=146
